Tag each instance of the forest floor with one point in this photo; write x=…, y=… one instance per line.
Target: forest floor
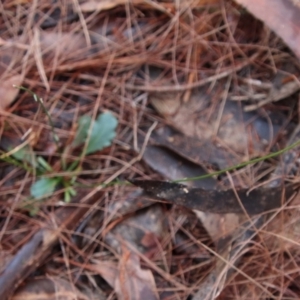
x=99, y=99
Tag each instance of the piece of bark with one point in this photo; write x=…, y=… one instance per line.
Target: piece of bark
x=217, y=201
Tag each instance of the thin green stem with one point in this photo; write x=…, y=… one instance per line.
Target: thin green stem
x=16, y=163
x=244, y=164
x=104, y=185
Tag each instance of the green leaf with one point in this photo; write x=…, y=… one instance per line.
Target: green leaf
x=25, y=154
x=67, y=196
x=103, y=132
x=43, y=187
x=69, y=193
x=83, y=127
x=44, y=164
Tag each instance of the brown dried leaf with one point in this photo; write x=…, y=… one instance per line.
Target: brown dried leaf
x=283, y=17
x=173, y=167
x=133, y=282
x=142, y=230
x=219, y=226
x=167, y=106
x=225, y=130
x=128, y=279
x=201, y=152
x=8, y=93
x=49, y=289
x=107, y=269
x=91, y=6
x=100, y=5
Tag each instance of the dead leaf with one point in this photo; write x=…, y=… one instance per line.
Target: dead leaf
x=167, y=106
x=218, y=226
x=129, y=281
x=10, y=58
x=107, y=269
x=132, y=282
x=142, y=230
x=101, y=5
x=202, y=152
x=234, y=137
x=8, y=93
x=283, y=17
x=173, y=167
x=48, y=289
x=117, y=209
x=91, y=6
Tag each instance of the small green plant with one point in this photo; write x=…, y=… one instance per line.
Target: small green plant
x=96, y=135
x=102, y=134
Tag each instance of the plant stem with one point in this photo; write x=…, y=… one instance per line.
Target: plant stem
x=243, y=164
